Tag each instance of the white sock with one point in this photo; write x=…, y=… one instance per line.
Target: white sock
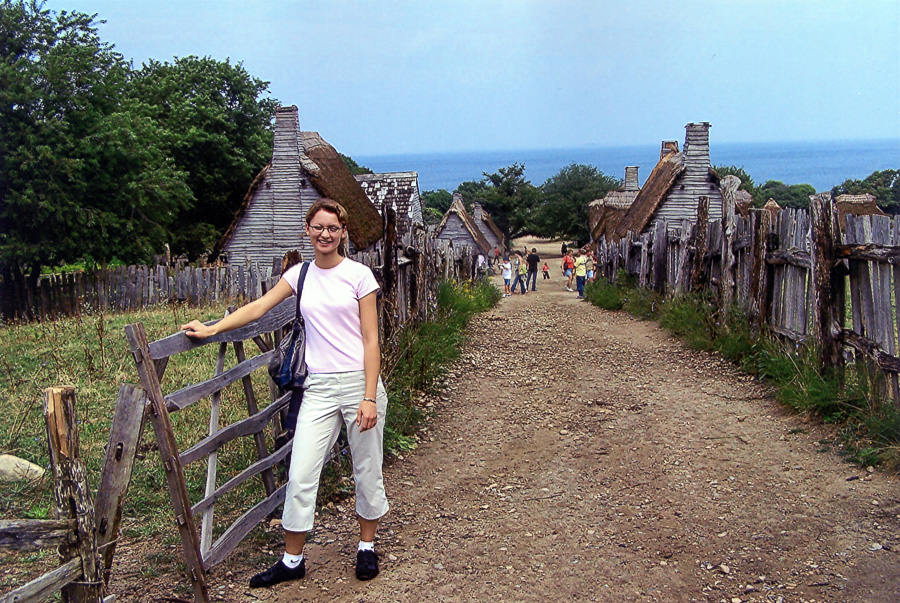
x=366, y=546
x=292, y=561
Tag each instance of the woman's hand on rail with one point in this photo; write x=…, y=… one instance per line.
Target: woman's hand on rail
x=197, y=330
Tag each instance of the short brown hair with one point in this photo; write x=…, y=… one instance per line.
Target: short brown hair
x=332, y=207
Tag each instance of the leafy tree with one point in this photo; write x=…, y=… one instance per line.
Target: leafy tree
x=747, y=183
x=435, y=204
x=563, y=209
x=793, y=195
x=507, y=196
x=218, y=130
x=83, y=173
x=354, y=167
x=884, y=184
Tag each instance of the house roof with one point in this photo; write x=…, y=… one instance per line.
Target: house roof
x=743, y=201
x=640, y=212
x=858, y=205
x=260, y=178
x=332, y=178
x=486, y=219
x=772, y=206
x=328, y=174
x=399, y=189
x=459, y=210
x=605, y=219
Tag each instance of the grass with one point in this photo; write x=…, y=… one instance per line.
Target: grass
x=853, y=399
x=91, y=353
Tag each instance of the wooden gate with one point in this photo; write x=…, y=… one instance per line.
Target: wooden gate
x=200, y=551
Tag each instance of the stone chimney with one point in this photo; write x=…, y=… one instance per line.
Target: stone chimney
x=477, y=211
x=631, y=178
x=668, y=146
x=696, y=149
x=286, y=149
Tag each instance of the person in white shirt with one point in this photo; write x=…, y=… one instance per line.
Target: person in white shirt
x=506, y=273
x=343, y=356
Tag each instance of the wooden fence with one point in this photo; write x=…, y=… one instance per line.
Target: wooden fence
x=86, y=530
x=125, y=288
x=791, y=272
x=134, y=287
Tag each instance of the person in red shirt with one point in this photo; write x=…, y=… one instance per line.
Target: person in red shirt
x=568, y=269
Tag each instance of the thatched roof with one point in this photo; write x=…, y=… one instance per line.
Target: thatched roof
x=605, y=220
x=772, y=206
x=858, y=205
x=332, y=178
x=487, y=221
x=651, y=195
x=458, y=209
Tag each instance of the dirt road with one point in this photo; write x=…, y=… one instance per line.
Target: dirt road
x=583, y=455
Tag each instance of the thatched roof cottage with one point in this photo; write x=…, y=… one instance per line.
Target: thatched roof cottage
x=488, y=228
x=614, y=203
x=304, y=168
x=672, y=190
x=459, y=228
x=401, y=192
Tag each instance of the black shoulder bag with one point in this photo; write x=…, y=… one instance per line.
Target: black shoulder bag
x=287, y=367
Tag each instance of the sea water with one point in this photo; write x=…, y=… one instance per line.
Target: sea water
x=821, y=164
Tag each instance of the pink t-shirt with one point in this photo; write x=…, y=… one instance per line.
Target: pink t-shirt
x=330, y=307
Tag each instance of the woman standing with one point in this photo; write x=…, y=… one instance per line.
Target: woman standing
x=344, y=360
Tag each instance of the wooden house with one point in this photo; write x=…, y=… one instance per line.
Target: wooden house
x=672, y=191
x=617, y=201
x=488, y=228
x=858, y=205
x=459, y=228
x=400, y=190
x=304, y=168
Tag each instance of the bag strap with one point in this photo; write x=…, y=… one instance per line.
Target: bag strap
x=298, y=317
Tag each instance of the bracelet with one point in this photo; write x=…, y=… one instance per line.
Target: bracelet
x=369, y=400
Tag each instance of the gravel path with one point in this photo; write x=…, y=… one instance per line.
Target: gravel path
x=584, y=455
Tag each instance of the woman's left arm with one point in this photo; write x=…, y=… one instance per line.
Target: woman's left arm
x=367, y=415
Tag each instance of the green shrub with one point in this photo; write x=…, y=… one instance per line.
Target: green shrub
x=604, y=294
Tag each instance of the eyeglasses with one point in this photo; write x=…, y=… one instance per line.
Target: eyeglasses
x=318, y=228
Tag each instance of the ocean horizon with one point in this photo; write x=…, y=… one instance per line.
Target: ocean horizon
x=822, y=164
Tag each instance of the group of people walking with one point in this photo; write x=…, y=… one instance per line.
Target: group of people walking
x=524, y=265
x=520, y=269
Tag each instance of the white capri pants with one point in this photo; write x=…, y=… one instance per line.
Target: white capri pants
x=329, y=398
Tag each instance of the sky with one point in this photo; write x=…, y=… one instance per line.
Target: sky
x=416, y=76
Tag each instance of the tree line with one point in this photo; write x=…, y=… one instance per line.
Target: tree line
x=102, y=161
x=558, y=209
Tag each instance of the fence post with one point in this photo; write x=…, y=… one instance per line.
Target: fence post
x=824, y=235
x=698, y=276
x=660, y=253
x=73, y=495
x=761, y=225
x=729, y=188
x=389, y=270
